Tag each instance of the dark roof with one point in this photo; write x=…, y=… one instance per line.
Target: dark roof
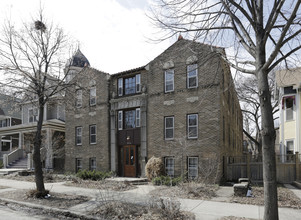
x=130, y=71
x=79, y=60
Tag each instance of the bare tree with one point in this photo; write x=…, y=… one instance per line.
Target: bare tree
x=260, y=35
x=248, y=95
x=30, y=58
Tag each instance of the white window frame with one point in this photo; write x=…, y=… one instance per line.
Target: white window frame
x=79, y=98
x=192, y=126
x=138, y=83
x=169, y=128
x=195, y=168
x=78, y=164
x=120, y=120
x=166, y=82
x=293, y=109
x=94, y=135
x=191, y=68
x=120, y=86
x=34, y=116
x=138, y=117
x=170, y=171
x=93, y=96
x=92, y=165
x=78, y=134
x=286, y=144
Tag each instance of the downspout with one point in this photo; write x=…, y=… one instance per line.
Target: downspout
x=297, y=147
x=282, y=148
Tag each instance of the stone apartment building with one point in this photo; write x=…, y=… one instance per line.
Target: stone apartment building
x=182, y=107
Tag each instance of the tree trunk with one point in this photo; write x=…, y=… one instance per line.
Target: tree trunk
x=268, y=149
x=37, y=155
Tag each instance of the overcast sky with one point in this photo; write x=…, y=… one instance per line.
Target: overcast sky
x=112, y=34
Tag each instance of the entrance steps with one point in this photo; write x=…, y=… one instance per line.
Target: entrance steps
x=134, y=181
x=18, y=164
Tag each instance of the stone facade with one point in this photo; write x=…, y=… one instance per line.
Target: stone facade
x=85, y=116
x=182, y=107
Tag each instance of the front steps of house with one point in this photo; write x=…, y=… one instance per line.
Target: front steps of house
x=16, y=166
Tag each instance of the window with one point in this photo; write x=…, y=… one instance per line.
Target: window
x=93, y=96
x=92, y=163
x=79, y=98
x=138, y=83
x=32, y=115
x=78, y=164
x=192, y=76
x=129, y=119
x=192, y=167
x=130, y=85
x=169, y=166
x=290, y=147
x=78, y=135
x=92, y=134
x=289, y=108
x=169, y=128
x=120, y=120
x=120, y=87
x=4, y=123
x=192, y=124
x=137, y=117
x=169, y=80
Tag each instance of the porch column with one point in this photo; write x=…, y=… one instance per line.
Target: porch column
x=11, y=144
x=143, y=138
x=21, y=140
x=0, y=143
x=113, y=141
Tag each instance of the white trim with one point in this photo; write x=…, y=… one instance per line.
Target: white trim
x=77, y=134
x=169, y=71
x=190, y=68
x=169, y=128
x=90, y=134
x=192, y=126
x=172, y=168
x=195, y=168
x=138, y=83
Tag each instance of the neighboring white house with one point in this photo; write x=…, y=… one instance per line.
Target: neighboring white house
x=288, y=88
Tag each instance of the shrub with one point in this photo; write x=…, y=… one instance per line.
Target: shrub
x=167, y=181
x=93, y=175
x=154, y=168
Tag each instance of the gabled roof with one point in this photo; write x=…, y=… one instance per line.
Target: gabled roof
x=9, y=106
x=288, y=77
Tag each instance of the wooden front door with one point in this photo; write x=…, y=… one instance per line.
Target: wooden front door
x=129, y=160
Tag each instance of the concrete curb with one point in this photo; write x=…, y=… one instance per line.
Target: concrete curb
x=50, y=209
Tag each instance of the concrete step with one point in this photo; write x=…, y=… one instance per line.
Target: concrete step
x=297, y=184
x=19, y=164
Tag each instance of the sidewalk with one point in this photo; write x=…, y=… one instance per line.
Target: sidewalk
x=203, y=210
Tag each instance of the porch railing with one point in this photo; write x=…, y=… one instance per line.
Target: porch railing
x=11, y=157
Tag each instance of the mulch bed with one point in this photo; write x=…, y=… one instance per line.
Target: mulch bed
x=286, y=198
x=57, y=200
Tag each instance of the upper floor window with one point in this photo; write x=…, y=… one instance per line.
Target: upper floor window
x=5, y=123
x=192, y=76
x=92, y=96
x=289, y=108
x=92, y=134
x=129, y=119
x=79, y=98
x=32, y=115
x=169, y=128
x=130, y=85
x=169, y=80
x=192, y=126
x=78, y=135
